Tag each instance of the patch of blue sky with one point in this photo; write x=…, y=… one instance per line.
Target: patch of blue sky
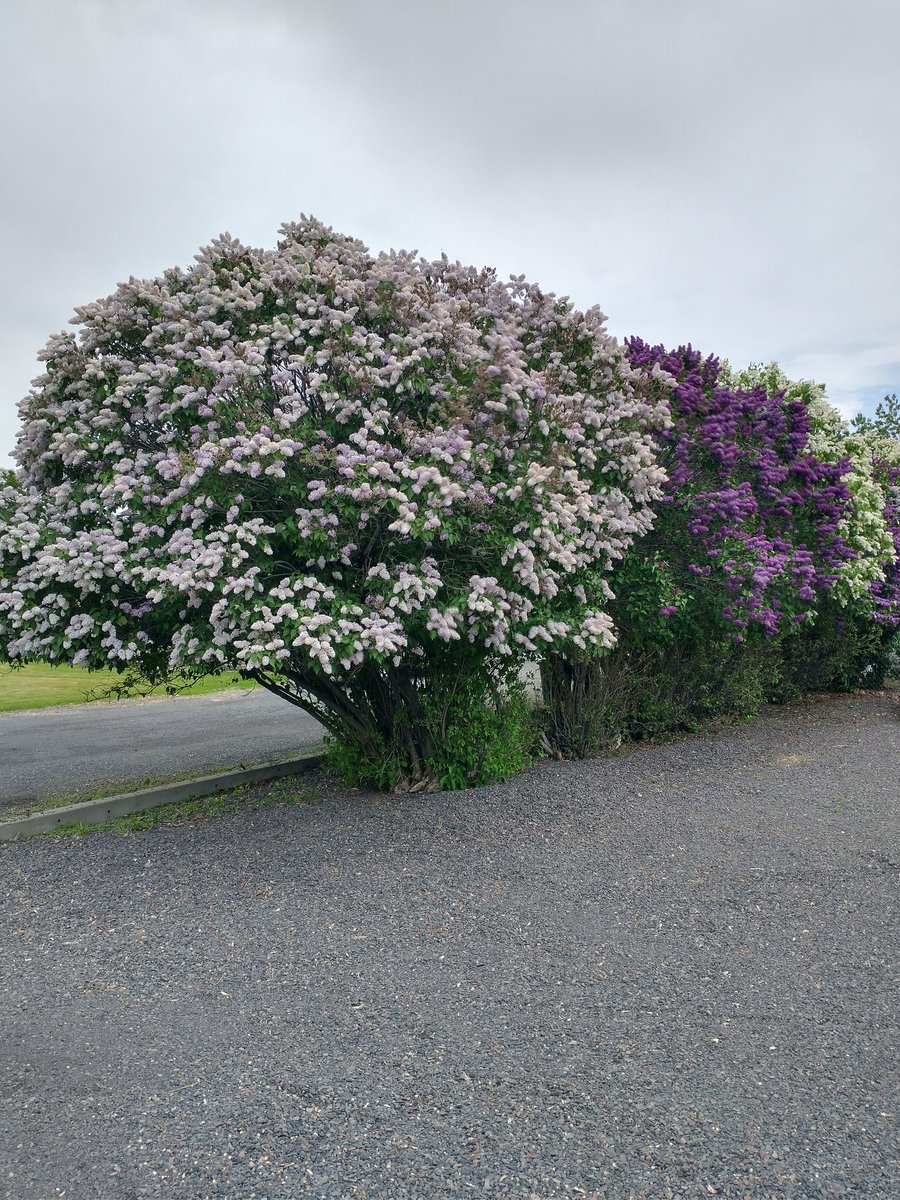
x=868, y=398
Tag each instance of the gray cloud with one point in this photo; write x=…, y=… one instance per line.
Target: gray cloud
x=719, y=171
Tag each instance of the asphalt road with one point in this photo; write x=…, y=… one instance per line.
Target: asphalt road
x=665, y=975
x=73, y=748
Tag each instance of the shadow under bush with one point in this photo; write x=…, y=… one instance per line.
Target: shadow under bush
x=840, y=651
x=689, y=682
x=588, y=702
x=591, y=705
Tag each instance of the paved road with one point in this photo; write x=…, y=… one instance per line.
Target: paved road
x=666, y=974
x=77, y=747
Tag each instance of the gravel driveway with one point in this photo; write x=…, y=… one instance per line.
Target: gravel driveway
x=671, y=973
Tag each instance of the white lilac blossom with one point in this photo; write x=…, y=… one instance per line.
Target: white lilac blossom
x=317, y=466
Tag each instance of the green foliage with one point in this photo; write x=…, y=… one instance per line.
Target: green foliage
x=842, y=650
x=695, y=680
x=478, y=730
x=891, y=650
x=653, y=598
x=363, y=763
x=480, y=739
x=633, y=693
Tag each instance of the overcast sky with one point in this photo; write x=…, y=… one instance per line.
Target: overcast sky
x=723, y=172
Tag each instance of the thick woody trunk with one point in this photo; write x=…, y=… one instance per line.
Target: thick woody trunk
x=379, y=706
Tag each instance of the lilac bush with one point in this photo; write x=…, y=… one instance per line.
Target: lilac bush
x=864, y=523
x=768, y=521
x=776, y=527
x=885, y=592
x=752, y=515
x=876, y=444
x=355, y=479
x=856, y=621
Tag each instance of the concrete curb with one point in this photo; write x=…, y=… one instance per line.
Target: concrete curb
x=94, y=812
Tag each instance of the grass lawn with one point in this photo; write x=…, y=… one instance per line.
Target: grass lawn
x=39, y=685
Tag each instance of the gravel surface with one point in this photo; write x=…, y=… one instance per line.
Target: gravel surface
x=79, y=746
x=667, y=974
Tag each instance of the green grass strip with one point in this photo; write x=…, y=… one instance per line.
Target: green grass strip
x=193, y=812
x=43, y=685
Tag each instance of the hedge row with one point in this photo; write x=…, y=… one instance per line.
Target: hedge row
x=380, y=485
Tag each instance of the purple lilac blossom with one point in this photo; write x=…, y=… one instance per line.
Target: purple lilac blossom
x=757, y=514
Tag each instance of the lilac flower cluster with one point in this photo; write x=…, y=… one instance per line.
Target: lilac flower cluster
x=751, y=513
